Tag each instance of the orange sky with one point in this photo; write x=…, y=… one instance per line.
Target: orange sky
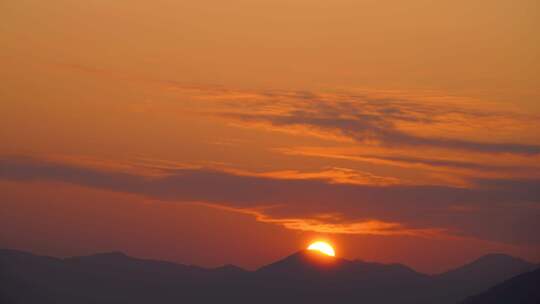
x=213, y=132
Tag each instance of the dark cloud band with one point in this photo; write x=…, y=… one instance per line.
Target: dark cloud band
x=500, y=210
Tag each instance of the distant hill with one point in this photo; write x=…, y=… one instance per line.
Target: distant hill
x=521, y=289
x=303, y=277
x=479, y=275
x=323, y=279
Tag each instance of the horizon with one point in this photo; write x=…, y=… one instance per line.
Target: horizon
x=299, y=251
x=208, y=132
x=308, y=274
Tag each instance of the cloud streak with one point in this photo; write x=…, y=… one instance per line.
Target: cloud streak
x=379, y=129
x=497, y=210
x=368, y=117
x=468, y=168
x=388, y=121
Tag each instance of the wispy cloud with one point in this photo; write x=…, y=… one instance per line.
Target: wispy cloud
x=498, y=210
x=460, y=136
x=391, y=119
x=387, y=123
x=460, y=166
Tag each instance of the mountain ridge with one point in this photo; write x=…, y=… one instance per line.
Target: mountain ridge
x=521, y=289
x=304, y=275
x=4, y=251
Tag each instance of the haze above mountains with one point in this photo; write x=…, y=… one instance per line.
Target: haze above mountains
x=303, y=277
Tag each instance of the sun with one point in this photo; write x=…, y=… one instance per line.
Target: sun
x=322, y=247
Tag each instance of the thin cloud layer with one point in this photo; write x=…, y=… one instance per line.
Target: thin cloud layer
x=376, y=122
x=496, y=210
x=453, y=138
x=501, y=168
x=386, y=119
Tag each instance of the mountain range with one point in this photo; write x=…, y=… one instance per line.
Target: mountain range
x=522, y=289
x=303, y=277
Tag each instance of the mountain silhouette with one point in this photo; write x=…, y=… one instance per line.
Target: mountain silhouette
x=313, y=265
x=489, y=268
x=481, y=274
x=521, y=289
x=305, y=262
x=305, y=276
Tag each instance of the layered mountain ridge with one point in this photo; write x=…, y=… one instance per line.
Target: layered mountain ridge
x=304, y=276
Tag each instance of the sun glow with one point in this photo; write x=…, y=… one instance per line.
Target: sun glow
x=322, y=247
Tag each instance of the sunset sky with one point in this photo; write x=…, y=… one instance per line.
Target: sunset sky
x=211, y=132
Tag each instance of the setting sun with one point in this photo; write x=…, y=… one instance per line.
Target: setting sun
x=322, y=247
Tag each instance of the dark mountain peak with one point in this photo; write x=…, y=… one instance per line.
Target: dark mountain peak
x=494, y=262
x=519, y=289
x=498, y=258
x=483, y=272
x=304, y=261
x=313, y=263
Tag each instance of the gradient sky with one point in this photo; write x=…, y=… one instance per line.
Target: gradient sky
x=210, y=132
